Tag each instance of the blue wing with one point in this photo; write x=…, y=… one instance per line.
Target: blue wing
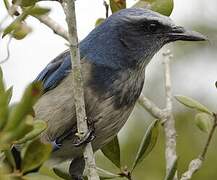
x=55, y=71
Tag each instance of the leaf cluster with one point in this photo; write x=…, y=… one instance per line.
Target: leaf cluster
x=19, y=130
x=19, y=10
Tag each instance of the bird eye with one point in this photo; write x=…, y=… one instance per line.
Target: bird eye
x=153, y=27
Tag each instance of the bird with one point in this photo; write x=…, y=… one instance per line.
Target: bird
x=114, y=57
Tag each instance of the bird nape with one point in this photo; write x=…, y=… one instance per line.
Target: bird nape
x=114, y=57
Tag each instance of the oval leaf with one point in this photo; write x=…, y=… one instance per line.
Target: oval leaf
x=117, y=5
x=112, y=151
x=9, y=93
x=99, y=21
x=191, y=103
x=35, y=154
x=204, y=122
x=148, y=142
x=38, y=127
x=7, y=4
x=24, y=107
x=62, y=170
x=14, y=25
x=21, y=31
x=38, y=11
x=104, y=174
x=25, y=3
x=37, y=176
x=164, y=7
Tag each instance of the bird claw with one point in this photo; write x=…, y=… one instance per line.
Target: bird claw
x=88, y=137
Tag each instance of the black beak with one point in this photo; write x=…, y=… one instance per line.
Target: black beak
x=180, y=33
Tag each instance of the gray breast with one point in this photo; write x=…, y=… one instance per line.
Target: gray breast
x=110, y=97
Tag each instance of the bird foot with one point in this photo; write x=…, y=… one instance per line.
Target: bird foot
x=88, y=137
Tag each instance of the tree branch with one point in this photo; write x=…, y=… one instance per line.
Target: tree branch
x=106, y=8
x=78, y=92
x=169, y=123
x=196, y=164
x=49, y=22
x=151, y=107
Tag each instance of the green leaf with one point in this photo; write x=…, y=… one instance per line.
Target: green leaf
x=148, y=142
x=112, y=151
x=38, y=127
x=25, y=3
x=164, y=7
x=37, y=176
x=21, y=31
x=104, y=174
x=117, y=5
x=216, y=84
x=99, y=21
x=2, y=86
x=24, y=107
x=19, y=132
x=191, y=103
x=7, y=5
x=5, y=97
x=62, y=170
x=38, y=11
x=15, y=24
x=172, y=171
x=204, y=122
x=10, y=158
x=35, y=154
x=9, y=93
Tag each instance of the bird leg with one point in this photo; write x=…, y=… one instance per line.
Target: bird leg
x=77, y=141
x=88, y=137
x=76, y=168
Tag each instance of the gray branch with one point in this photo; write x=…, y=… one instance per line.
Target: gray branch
x=57, y=29
x=169, y=123
x=78, y=92
x=151, y=107
x=165, y=115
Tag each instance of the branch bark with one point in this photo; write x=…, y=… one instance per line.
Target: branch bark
x=165, y=115
x=78, y=92
x=169, y=123
x=151, y=107
x=53, y=25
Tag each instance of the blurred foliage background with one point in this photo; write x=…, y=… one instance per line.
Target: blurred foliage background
x=194, y=72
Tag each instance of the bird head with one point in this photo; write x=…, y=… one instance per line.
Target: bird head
x=132, y=36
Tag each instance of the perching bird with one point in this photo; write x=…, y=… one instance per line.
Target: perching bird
x=114, y=57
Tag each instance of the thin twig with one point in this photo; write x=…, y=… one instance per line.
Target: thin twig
x=209, y=137
x=49, y=22
x=106, y=8
x=78, y=92
x=196, y=164
x=151, y=107
x=169, y=123
x=8, y=51
x=12, y=10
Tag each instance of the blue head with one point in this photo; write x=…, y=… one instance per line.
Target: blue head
x=131, y=37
